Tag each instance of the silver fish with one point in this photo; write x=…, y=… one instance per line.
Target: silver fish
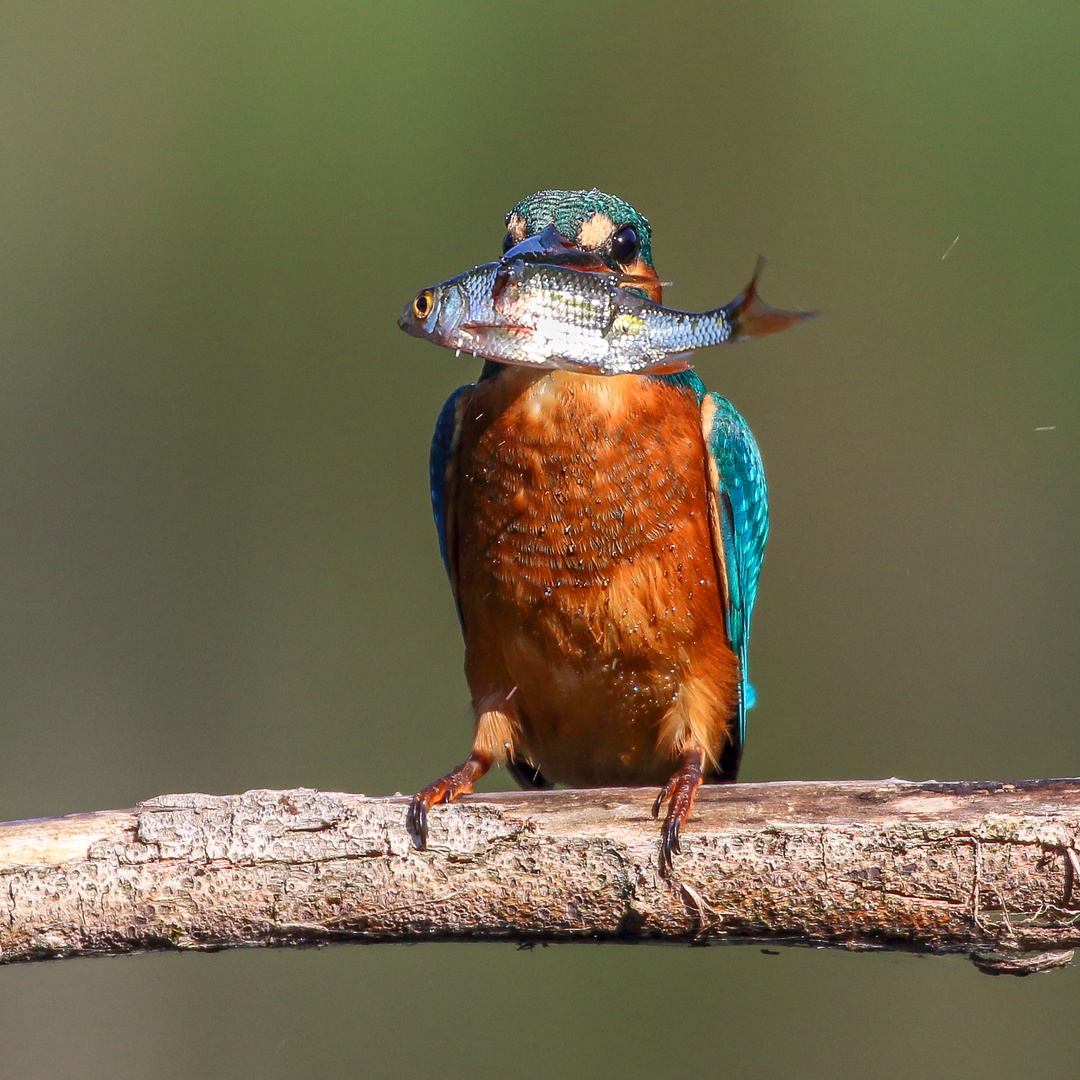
x=547, y=316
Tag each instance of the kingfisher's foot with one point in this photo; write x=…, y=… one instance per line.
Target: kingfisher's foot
x=446, y=790
x=679, y=794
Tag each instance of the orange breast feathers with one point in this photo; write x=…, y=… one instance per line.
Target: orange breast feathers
x=583, y=562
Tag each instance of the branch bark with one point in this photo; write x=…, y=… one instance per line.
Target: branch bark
x=987, y=869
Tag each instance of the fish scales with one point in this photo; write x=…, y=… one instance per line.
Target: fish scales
x=549, y=316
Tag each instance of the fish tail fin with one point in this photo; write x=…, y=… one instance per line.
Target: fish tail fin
x=750, y=317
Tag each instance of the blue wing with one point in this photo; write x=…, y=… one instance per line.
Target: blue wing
x=744, y=525
x=441, y=473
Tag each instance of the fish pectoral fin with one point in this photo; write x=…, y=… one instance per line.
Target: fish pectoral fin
x=638, y=279
x=751, y=317
x=671, y=365
x=511, y=329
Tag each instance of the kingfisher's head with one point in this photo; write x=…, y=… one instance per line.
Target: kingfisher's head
x=594, y=221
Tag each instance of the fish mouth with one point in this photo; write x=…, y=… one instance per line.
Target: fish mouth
x=408, y=323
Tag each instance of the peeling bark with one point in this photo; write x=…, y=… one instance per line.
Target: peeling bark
x=987, y=869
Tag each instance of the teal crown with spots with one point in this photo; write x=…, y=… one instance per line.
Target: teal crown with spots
x=569, y=210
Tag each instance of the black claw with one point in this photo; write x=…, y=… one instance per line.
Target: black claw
x=676, y=842
x=659, y=802
x=416, y=822
x=669, y=845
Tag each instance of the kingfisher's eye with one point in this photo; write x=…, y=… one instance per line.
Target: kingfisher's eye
x=508, y=243
x=625, y=245
x=423, y=304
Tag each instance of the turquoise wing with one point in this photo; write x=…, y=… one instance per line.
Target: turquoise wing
x=743, y=505
x=441, y=473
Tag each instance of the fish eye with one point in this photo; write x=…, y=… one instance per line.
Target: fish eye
x=423, y=304
x=508, y=243
x=625, y=245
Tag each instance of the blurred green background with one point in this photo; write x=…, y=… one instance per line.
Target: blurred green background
x=217, y=568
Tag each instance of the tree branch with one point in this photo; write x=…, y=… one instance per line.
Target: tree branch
x=987, y=869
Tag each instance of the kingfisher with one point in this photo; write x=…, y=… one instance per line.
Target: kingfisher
x=603, y=537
